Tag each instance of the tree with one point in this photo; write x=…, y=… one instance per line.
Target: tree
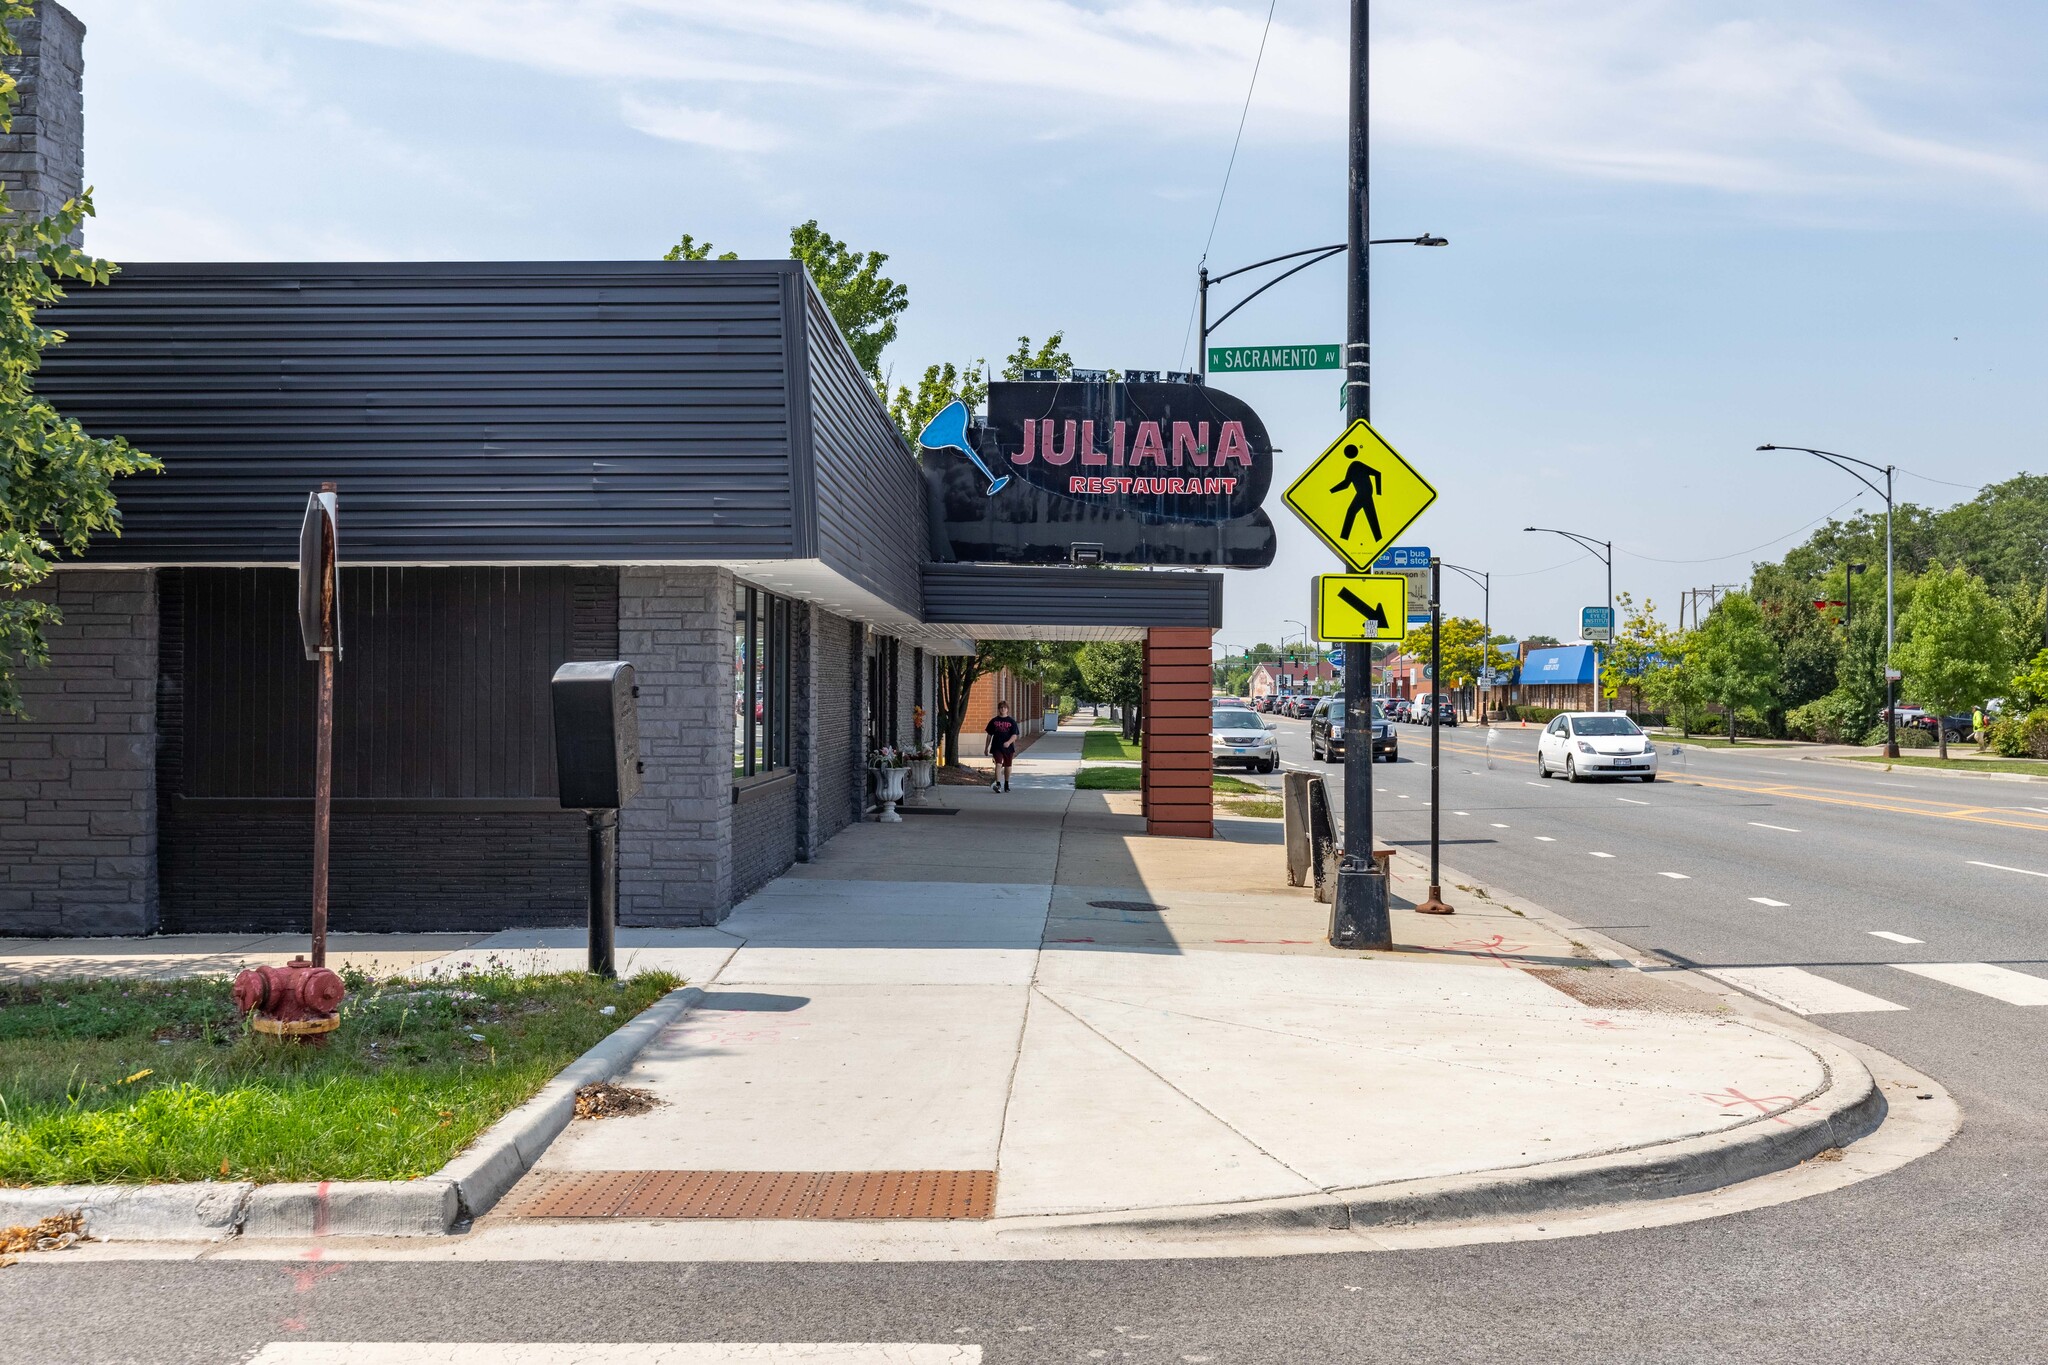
x=1463, y=652
x=688, y=249
x=1736, y=657
x=1052, y=355
x=1114, y=672
x=956, y=674
x=56, y=481
x=862, y=300
x=1636, y=649
x=941, y=385
x=1541, y=642
x=1676, y=684
x=1955, y=653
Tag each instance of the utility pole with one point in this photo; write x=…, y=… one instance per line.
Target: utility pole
x=1434, y=905
x=1359, y=917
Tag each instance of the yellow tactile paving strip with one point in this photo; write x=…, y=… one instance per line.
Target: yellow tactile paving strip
x=828, y=1195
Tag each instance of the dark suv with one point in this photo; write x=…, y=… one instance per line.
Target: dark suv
x=1326, y=733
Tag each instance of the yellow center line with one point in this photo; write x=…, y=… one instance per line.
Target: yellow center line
x=1835, y=796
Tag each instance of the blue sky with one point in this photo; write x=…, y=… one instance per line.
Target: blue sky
x=1679, y=228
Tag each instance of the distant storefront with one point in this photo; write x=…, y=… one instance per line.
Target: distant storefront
x=1561, y=678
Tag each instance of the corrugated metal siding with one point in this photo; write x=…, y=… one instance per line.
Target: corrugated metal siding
x=997, y=594
x=867, y=492
x=493, y=412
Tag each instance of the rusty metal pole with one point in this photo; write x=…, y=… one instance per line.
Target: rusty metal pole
x=323, y=778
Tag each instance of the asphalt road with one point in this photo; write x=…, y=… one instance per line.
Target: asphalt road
x=1941, y=1261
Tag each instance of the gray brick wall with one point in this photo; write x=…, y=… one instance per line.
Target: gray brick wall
x=829, y=738
x=42, y=158
x=676, y=840
x=78, y=830
x=764, y=835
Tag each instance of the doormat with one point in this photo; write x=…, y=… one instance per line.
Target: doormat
x=927, y=810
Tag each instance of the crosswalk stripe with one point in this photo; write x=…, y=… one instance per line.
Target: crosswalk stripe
x=1801, y=991
x=613, y=1353
x=1896, y=938
x=1766, y=900
x=2000, y=983
x=1676, y=876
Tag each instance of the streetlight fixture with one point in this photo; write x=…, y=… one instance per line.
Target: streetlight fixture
x=1843, y=463
x=1485, y=582
x=1315, y=254
x=1605, y=549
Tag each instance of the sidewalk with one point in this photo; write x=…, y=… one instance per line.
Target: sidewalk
x=1026, y=1012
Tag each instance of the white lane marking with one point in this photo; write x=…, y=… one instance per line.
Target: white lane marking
x=1766, y=900
x=1603, y=855
x=1801, y=991
x=1401, y=795
x=1461, y=812
x=1631, y=801
x=1902, y=786
x=1896, y=938
x=1498, y=825
x=612, y=1353
x=1676, y=876
x=1545, y=839
x=2038, y=810
x=2001, y=867
x=1787, y=829
x=2000, y=983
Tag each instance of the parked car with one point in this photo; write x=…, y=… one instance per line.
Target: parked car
x=1326, y=732
x=1237, y=735
x=1396, y=708
x=1957, y=728
x=1581, y=744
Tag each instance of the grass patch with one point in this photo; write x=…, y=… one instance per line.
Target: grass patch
x=1110, y=744
x=2036, y=766
x=125, y=1082
x=1126, y=780
x=1716, y=742
x=1256, y=809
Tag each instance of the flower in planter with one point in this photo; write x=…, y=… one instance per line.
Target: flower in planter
x=886, y=757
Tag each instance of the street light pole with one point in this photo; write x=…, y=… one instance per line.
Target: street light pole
x=1842, y=462
x=1606, y=552
x=1485, y=582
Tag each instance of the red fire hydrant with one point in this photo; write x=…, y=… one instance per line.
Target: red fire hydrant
x=290, y=1001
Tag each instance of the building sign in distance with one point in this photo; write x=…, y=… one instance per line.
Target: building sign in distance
x=1596, y=624
x=1358, y=495
x=1244, y=359
x=1359, y=606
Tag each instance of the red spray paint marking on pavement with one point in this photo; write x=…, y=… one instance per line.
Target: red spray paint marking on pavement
x=1732, y=1097
x=304, y=1277
x=1493, y=947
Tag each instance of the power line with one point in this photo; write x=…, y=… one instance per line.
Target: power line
x=1716, y=559
x=1231, y=165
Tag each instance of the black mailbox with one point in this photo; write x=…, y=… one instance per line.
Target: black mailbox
x=597, y=735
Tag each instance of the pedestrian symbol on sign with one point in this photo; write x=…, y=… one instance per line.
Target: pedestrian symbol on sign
x=1364, y=481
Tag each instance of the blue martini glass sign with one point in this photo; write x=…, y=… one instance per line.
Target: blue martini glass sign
x=948, y=431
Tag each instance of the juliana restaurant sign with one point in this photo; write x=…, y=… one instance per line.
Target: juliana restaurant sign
x=1139, y=473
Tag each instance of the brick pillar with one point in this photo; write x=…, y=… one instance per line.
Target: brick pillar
x=1176, y=772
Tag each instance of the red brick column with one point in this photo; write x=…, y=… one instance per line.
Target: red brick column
x=1176, y=771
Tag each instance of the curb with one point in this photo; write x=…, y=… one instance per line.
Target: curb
x=214, y=1211
x=1915, y=769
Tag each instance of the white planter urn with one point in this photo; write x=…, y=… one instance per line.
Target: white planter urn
x=889, y=790
x=920, y=777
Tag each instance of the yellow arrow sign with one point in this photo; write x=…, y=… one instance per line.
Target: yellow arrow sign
x=1359, y=606
x=1359, y=495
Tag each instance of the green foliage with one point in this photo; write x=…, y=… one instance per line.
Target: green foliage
x=128, y=1082
x=2022, y=735
x=2029, y=686
x=1126, y=779
x=1641, y=647
x=1464, y=649
x=1051, y=355
x=862, y=300
x=1736, y=657
x=56, y=482
x=912, y=409
x=1955, y=652
x=688, y=249
x=1837, y=718
x=1112, y=671
x=1108, y=745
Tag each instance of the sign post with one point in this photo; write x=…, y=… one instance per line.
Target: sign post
x=1435, y=905
x=1596, y=625
x=320, y=632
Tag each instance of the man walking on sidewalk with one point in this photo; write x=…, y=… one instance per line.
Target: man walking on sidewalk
x=1002, y=745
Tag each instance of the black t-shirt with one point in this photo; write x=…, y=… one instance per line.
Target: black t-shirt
x=1002, y=734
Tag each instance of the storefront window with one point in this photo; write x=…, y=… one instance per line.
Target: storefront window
x=760, y=651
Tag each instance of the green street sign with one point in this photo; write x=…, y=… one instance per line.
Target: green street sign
x=1244, y=359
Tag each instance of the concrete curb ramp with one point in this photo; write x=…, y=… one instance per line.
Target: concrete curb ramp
x=467, y=1187
x=1846, y=1107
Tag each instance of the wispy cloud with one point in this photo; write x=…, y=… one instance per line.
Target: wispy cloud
x=1796, y=98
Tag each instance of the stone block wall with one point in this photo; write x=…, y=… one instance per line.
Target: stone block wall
x=42, y=157
x=78, y=815
x=676, y=840
x=828, y=738
x=765, y=834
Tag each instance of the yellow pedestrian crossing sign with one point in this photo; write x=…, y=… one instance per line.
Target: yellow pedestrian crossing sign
x=1359, y=606
x=1359, y=496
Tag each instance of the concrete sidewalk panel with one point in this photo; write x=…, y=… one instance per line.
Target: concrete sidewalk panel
x=851, y=1078
x=1090, y=1130
x=955, y=966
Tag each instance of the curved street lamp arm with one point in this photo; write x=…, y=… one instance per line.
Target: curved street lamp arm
x=1275, y=260
x=1327, y=253
x=1473, y=574
x=1587, y=543
x=1836, y=460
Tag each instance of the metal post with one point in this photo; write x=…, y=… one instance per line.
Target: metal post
x=1359, y=916
x=1891, y=688
x=1613, y=626
x=1435, y=905
x=323, y=761
x=604, y=891
x=1202, y=340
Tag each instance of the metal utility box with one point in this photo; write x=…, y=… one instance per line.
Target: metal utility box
x=597, y=735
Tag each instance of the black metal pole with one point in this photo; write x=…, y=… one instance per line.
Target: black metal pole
x=1202, y=339
x=1435, y=905
x=1359, y=916
x=604, y=891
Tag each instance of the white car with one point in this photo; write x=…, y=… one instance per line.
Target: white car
x=1595, y=743
x=1238, y=735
